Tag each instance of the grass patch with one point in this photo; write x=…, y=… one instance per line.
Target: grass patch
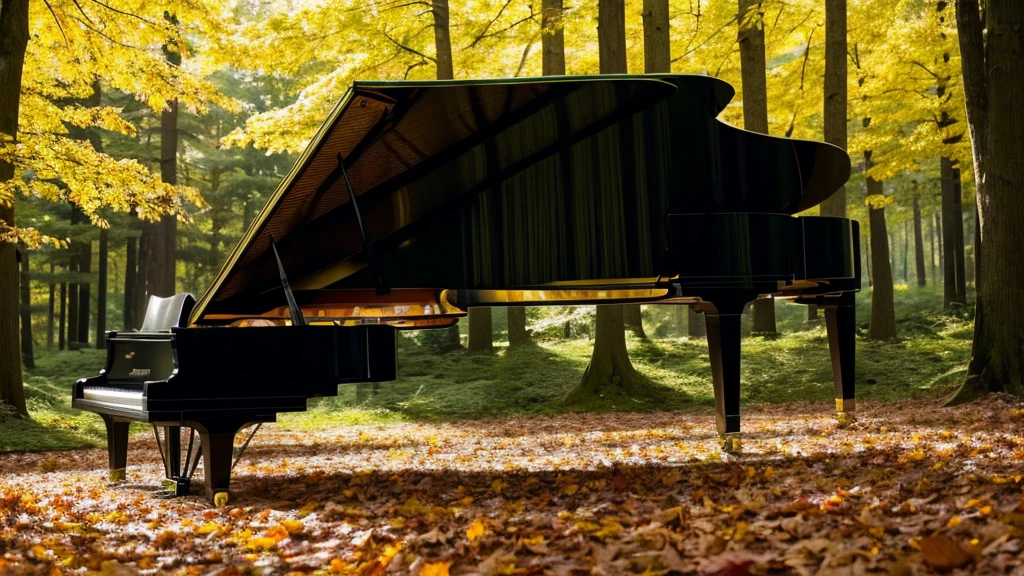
x=928, y=362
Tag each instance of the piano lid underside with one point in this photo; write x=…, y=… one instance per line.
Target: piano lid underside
x=575, y=195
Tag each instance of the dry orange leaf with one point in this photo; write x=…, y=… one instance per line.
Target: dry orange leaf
x=942, y=553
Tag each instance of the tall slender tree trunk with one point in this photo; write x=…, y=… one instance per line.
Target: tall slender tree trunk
x=931, y=259
x=609, y=368
x=755, y=114
x=130, y=271
x=939, y=239
x=835, y=93
x=169, y=174
x=611, y=36
x=51, y=310
x=101, y=288
x=992, y=60
x=954, y=287
x=63, y=316
x=922, y=278
x=517, y=334
x=28, y=357
x=142, y=275
x=883, y=315
x=481, y=333
x=442, y=40
x=74, y=257
x=552, y=64
x=13, y=40
x=552, y=39
x=445, y=71
x=633, y=319
x=84, y=293
x=906, y=252
x=657, y=58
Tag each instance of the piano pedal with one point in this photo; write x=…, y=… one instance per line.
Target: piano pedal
x=177, y=487
x=731, y=443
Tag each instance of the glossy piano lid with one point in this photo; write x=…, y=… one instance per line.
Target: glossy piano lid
x=390, y=132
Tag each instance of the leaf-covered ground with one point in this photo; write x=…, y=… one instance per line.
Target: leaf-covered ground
x=910, y=488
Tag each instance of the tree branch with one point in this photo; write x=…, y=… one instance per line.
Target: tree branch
x=407, y=48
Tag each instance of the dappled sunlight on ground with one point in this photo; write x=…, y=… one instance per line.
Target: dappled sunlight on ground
x=908, y=488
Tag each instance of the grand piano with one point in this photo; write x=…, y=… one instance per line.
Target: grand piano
x=416, y=201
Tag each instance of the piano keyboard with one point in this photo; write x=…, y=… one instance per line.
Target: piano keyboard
x=114, y=397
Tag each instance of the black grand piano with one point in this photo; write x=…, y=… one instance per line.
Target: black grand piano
x=418, y=200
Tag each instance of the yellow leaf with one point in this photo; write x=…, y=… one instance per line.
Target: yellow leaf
x=208, y=528
x=435, y=569
x=954, y=522
x=293, y=526
x=262, y=543
x=476, y=530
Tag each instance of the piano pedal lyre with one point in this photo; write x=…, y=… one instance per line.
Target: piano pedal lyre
x=175, y=483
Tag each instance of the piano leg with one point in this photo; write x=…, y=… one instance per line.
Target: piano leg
x=723, y=329
x=218, y=439
x=840, y=321
x=117, y=446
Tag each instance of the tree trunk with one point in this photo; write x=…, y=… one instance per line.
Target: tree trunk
x=610, y=370
x=657, y=48
x=28, y=357
x=74, y=265
x=517, y=334
x=906, y=252
x=84, y=293
x=443, y=52
x=993, y=77
x=51, y=310
x=755, y=115
x=633, y=319
x=922, y=279
x=552, y=39
x=611, y=36
x=696, y=326
x=657, y=58
x=835, y=93
x=442, y=40
x=954, y=289
x=931, y=259
x=939, y=238
x=63, y=315
x=883, y=316
x=13, y=40
x=481, y=333
x=142, y=274
x=130, y=272
x=101, y=289
x=168, y=224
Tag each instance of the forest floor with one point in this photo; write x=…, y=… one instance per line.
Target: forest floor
x=910, y=488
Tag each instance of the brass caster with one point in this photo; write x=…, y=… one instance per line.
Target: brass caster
x=220, y=499
x=168, y=484
x=845, y=418
x=731, y=443
x=119, y=475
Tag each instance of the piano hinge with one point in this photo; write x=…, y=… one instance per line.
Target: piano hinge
x=380, y=281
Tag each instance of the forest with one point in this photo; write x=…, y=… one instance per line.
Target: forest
x=140, y=140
